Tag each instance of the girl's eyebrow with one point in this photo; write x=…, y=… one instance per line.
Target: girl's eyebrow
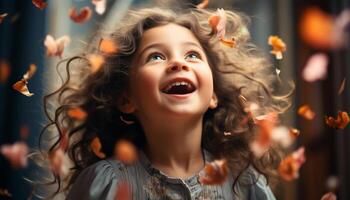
x=189, y=43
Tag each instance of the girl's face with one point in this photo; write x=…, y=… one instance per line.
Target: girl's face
x=170, y=75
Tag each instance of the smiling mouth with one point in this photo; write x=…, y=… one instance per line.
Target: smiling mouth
x=179, y=87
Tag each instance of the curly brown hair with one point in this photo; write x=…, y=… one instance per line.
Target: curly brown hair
x=242, y=71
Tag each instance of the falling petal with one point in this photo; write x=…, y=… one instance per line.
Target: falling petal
x=2, y=17
x=96, y=61
x=281, y=135
x=278, y=46
x=315, y=28
x=316, y=67
x=294, y=132
x=340, y=122
x=214, y=173
x=24, y=132
x=5, y=193
x=96, y=147
x=83, y=16
x=228, y=42
x=108, y=46
x=5, y=71
x=306, y=112
x=39, y=4
x=218, y=22
x=342, y=86
x=16, y=154
x=290, y=165
x=56, y=47
x=203, y=4
x=77, y=113
x=125, y=152
x=21, y=86
x=332, y=183
x=340, y=33
x=100, y=6
x=59, y=163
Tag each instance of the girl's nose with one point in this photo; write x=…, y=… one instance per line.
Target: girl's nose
x=178, y=66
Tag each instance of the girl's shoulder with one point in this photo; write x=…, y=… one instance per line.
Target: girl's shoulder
x=97, y=181
x=253, y=185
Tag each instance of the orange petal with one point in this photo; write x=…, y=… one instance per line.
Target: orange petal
x=21, y=86
x=24, y=132
x=306, y=112
x=315, y=28
x=294, y=132
x=31, y=71
x=278, y=46
x=228, y=42
x=2, y=17
x=342, y=86
x=290, y=165
x=213, y=22
x=214, y=173
x=203, y=4
x=340, y=122
x=125, y=152
x=108, y=46
x=83, y=16
x=77, y=113
x=39, y=4
x=96, y=147
x=5, y=71
x=96, y=61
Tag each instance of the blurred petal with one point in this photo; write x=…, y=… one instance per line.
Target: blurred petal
x=77, y=113
x=228, y=42
x=83, y=16
x=59, y=163
x=214, y=173
x=315, y=28
x=342, y=86
x=306, y=112
x=100, y=6
x=108, y=46
x=316, y=67
x=203, y=4
x=2, y=17
x=340, y=122
x=96, y=147
x=340, y=36
x=5, y=71
x=16, y=154
x=290, y=165
x=39, y=4
x=96, y=61
x=125, y=151
x=56, y=47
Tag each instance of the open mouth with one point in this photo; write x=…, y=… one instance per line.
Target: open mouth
x=179, y=87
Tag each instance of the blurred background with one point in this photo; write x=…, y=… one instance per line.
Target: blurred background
x=308, y=28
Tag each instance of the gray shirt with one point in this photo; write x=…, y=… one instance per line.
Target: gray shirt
x=100, y=181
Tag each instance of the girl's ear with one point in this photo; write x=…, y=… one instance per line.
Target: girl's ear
x=126, y=105
x=213, y=101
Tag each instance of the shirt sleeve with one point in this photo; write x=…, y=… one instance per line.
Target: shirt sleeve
x=253, y=186
x=97, y=181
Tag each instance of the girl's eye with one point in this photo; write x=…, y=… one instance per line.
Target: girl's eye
x=155, y=57
x=193, y=55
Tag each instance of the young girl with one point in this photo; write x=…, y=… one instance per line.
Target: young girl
x=180, y=96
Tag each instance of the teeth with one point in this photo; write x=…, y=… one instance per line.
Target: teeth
x=176, y=84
